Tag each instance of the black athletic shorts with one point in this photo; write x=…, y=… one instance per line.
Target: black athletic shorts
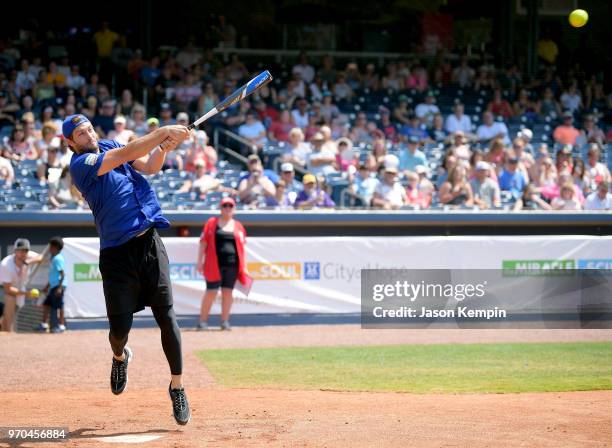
x=229, y=274
x=136, y=274
x=54, y=299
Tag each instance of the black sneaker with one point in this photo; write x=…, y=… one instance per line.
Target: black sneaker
x=119, y=375
x=180, y=405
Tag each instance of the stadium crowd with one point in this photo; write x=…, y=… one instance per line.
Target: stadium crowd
x=411, y=134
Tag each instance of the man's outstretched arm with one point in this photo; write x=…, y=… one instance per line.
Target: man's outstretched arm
x=142, y=147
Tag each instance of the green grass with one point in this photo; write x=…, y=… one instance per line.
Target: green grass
x=444, y=368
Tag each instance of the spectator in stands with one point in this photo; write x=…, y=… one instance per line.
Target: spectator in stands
x=548, y=105
x=388, y=128
x=524, y=107
x=126, y=104
x=320, y=161
x=236, y=70
x=280, y=128
x=121, y=133
x=600, y=199
x=460, y=148
x=563, y=161
x=353, y=77
x=546, y=175
x=590, y=133
x=456, y=190
x=417, y=79
x=312, y=196
x=598, y=172
x=511, y=178
x=564, y=178
x=201, y=182
x=103, y=122
x=165, y=115
x=7, y=174
x=253, y=130
x=370, y=79
x=44, y=89
x=62, y=191
x=486, y=191
x=74, y=80
x=448, y=163
x=498, y=106
x=327, y=71
x=437, y=133
x=49, y=167
x=313, y=125
x=581, y=176
x=531, y=200
x=491, y=129
x=363, y=185
x=7, y=110
x=300, y=113
x=526, y=160
x=329, y=110
x=329, y=144
x=266, y=114
x=48, y=134
x=496, y=154
x=188, y=56
x=297, y=151
x=18, y=147
x=306, y=71
x=208, y=100
x=526, y=135
x=414, y=128
x=411, y=156
x=199, y=149
x=414, y=195
x=90, y=109
x=393, y=80
x=458, y=121
x=425, y=184
x=14, y=277
x=389, y=193
x=463, y=76
x=426, y=111
x=137, y=121
x=152, y=124
x=288, y=177
x=359, y=132
x=402, y=112
x=571, y=99
x=26, y=80
x=222, y=261
x=187, y=92
x=282, y=198
x=567, y=199
x=341, y=89
x=256, y=187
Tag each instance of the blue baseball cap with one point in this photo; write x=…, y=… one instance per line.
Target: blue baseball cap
x=71, y=123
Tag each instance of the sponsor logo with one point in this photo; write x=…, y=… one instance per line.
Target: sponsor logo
x=87, y=272
x=91, y=159
x=76, y=119
x=519, y=268
x=603, y=264
x=184, y=272
x=275, y=271
x=312, y=270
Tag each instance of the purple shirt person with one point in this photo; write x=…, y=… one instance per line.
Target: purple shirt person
x=311, y=196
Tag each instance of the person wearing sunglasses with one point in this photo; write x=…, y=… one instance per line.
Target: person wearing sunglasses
x=221, y=260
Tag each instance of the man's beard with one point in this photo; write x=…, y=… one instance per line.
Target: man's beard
x=84, y=149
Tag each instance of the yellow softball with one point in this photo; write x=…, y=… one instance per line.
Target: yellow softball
x=578, y=18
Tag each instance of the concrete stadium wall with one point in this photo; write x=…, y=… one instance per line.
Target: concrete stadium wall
x=39, y=226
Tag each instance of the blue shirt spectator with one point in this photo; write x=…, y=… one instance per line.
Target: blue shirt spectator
x=511, y=179
x=411, y=157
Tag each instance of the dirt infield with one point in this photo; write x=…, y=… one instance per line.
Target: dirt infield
x=62, y=380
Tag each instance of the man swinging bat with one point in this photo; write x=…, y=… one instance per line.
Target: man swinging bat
x=133, y=260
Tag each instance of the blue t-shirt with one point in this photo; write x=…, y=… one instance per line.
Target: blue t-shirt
x=58, y=265
x=408, y=161
x=512, y=182
x=122, y=201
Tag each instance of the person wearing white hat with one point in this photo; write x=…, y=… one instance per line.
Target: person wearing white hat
x=121, y=133
x=486, y=191
x=14, y=278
